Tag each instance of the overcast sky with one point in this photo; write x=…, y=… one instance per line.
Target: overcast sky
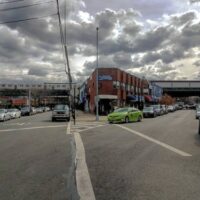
x=157, y=39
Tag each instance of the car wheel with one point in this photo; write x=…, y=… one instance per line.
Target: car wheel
x=139, y=119
x=126, y=119
x=68, y=119
x=53, y=120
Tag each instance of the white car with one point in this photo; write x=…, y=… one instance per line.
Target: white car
x=170, y=108
x=14, y=113
x=4, y=115
x=197, y=113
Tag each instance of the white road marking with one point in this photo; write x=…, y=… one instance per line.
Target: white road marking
x=91, y=128
x=21, y=124
x=68, y=129
x=13, y=124
x=30, y=128
x=89, y=124
x=83, y=181
x=182, y=153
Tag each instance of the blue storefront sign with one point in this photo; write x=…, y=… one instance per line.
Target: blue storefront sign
x=156, y=91
x=105, y=78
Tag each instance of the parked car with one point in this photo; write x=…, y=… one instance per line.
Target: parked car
x=170, y=108
x=26, y=110
x=61, y=112
x=158, y=109
x=164, y=109
x=198, y=113
x=149, y=112
x=46, y=108
x=14, y=113
x=4, y=115
x=127, y=114
x=39, y=109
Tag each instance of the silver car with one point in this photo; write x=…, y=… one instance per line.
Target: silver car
x=4, y=115
x=14, y=113
x=61, y=112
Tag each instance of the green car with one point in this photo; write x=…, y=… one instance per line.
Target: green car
x=128, y=114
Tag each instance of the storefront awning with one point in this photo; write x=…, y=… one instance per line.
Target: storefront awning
x=135, y=98
x=131, y=98
x=107, y=96
x=148, y=98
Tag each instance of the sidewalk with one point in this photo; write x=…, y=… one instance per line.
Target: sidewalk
x=88, y=117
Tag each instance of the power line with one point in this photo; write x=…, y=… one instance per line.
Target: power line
x=14, y=1
x=27, y=19
x=25, y=6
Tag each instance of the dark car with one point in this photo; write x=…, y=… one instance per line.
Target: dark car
x=26, y=111
x=149, y=112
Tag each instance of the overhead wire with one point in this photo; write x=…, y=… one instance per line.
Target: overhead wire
x=14, y=1
x=25, y=6
x=62, y=34
x=27, y=19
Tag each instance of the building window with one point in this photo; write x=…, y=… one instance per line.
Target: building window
x=123, y=85
x=127, y=87
x=116, y=84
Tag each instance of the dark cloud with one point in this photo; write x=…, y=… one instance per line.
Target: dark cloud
x=123, y=60
x=125, y=40
x=37, y=72
x=184, y=18
x=197, y=63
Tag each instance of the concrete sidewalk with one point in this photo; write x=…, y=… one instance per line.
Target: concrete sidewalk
x=88, y=117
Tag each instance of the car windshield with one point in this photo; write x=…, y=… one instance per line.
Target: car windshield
x=61, y=107
x=156, y=106
x=121, y=110
x=12, y=110
x=24, y=108
x=2, y=111
x=148, y=109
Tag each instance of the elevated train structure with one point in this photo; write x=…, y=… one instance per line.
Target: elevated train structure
x=46, y=93
x=179, y=88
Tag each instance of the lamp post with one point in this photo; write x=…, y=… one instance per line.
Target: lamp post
x=97, y=75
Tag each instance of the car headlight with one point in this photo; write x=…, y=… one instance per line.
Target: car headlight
x=54, y=113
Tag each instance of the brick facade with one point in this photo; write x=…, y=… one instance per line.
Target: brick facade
x=114, y=81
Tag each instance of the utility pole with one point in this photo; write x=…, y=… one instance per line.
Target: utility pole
x=29, y=97
x=64, y=46
x=74, y=111
x=97, y=76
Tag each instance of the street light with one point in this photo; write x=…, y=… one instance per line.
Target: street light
x=97, y=76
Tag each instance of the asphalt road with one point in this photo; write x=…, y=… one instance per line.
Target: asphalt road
x=156, y=159
x=36, y=159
